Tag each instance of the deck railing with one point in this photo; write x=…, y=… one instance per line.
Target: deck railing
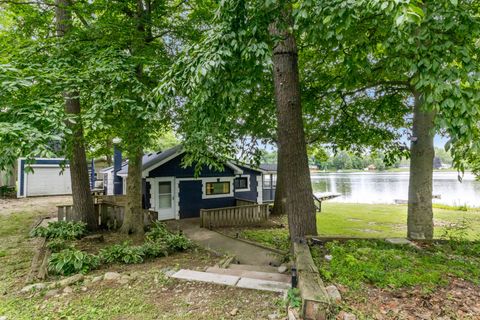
x=109, y=216
x=234, y=216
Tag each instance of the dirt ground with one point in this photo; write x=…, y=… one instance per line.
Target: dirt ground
x=41, y=205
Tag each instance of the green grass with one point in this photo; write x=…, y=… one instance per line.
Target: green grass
x=370, y=221
x=374, y=262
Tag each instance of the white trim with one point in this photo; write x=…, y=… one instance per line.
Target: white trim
x=217, y=179
x=48, y=166
x=43, y=159
x=248, y=188
x=235, y=169
x=146, y=172
x=260, y=189
x=19, y=173
x=154, y=194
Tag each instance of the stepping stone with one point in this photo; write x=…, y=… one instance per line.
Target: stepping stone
x=192, y=275
x=399, y=241
x=257, y=284
x=252, y=274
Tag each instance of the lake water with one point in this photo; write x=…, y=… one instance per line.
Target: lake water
x=374, y=187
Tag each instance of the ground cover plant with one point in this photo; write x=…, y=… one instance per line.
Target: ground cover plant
x=61, y=229
x=67, y=260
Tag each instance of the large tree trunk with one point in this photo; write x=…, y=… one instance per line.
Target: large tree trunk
x=83, y=208
x=420, y=213
x=294, y=174
x=133, y=221
x=280, y=198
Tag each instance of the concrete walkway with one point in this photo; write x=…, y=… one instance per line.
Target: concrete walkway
x=244, y=253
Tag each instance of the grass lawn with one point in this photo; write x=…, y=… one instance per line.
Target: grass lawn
x=149, y=295
x=370, y=221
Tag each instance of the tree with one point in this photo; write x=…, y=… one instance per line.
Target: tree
x=422, y=55
x=83, y=208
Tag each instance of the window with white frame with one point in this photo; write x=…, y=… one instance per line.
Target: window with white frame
x=216, y=188
x=241, y=183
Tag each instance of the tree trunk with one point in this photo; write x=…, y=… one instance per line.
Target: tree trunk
x=280, y=198
x=294, y=174
x=420, y=213
x=133, y=220
x=83, y=208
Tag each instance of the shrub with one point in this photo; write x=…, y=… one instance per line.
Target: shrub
x=154, y=249
x=123, y=253
x=61, y=229
x=70, y=261
x=177, y=242
x=157, y=232
x=57, y=245
x=174, y=242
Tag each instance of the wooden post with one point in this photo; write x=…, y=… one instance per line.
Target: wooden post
x=315, y=300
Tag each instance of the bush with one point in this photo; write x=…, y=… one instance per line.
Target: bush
x=57, y=245
x=123, y=253
x=70, y=261
x=61, y=229
x=154, y=249
x=174, y=242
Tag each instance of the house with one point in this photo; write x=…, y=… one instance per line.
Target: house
x=174, y=192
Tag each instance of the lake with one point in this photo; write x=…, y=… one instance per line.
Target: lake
x=375, y=187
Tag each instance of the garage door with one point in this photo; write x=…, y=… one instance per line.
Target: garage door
x=48, y=180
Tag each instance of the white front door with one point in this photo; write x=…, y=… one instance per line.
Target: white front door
x=165, y=199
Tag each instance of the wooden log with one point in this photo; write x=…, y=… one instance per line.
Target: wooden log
x=315, y=299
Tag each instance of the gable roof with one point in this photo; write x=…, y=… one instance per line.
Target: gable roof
x=269, y=167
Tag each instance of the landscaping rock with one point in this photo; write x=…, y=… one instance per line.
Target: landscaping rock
x=328, y=257
x=35, y=286
x=84, y=289
x=292, y=314
x=97, y=279
x=3, y=317
x=334, y=293
x=273, y=316
x=67, y=290
x=112, y=276
x=52, y=293
x=234, y=312
x=124, y=279
x=346, y=316
x=70, y=280
x=282, y=269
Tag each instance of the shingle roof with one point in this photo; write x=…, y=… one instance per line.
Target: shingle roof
x=152, y=158
x=270, y=167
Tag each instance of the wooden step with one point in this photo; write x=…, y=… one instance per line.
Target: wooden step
x=249, y=267
x=270, y=276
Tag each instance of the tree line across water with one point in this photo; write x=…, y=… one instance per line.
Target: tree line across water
x=229, y=76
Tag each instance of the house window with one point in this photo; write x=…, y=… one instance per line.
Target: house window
x=218, y=188
x=241, y=183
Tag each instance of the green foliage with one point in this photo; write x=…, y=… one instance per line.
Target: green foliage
x=275, y=238
x=158, y=233
x=71, y=261
x=154, y=249
x=293, y=298
x=457, y=232
x=377, y=263
x=57, y=245
x=61, y=229
x=123, y=253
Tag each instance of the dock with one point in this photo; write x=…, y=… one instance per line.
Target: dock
x=318, y=197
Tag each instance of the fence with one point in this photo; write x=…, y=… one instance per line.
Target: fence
x=234, y=216
x=109, y=216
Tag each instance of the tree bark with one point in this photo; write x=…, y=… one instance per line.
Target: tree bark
x=83, y=208
x=133, y=220
x=280, y=198
x=420, y=213
x=294, y=174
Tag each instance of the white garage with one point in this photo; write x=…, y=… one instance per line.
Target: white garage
x=47, y=178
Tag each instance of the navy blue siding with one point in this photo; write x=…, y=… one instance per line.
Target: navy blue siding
x=191, y=200
x=173, y=168
x=252, y=193
x=146, y=194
